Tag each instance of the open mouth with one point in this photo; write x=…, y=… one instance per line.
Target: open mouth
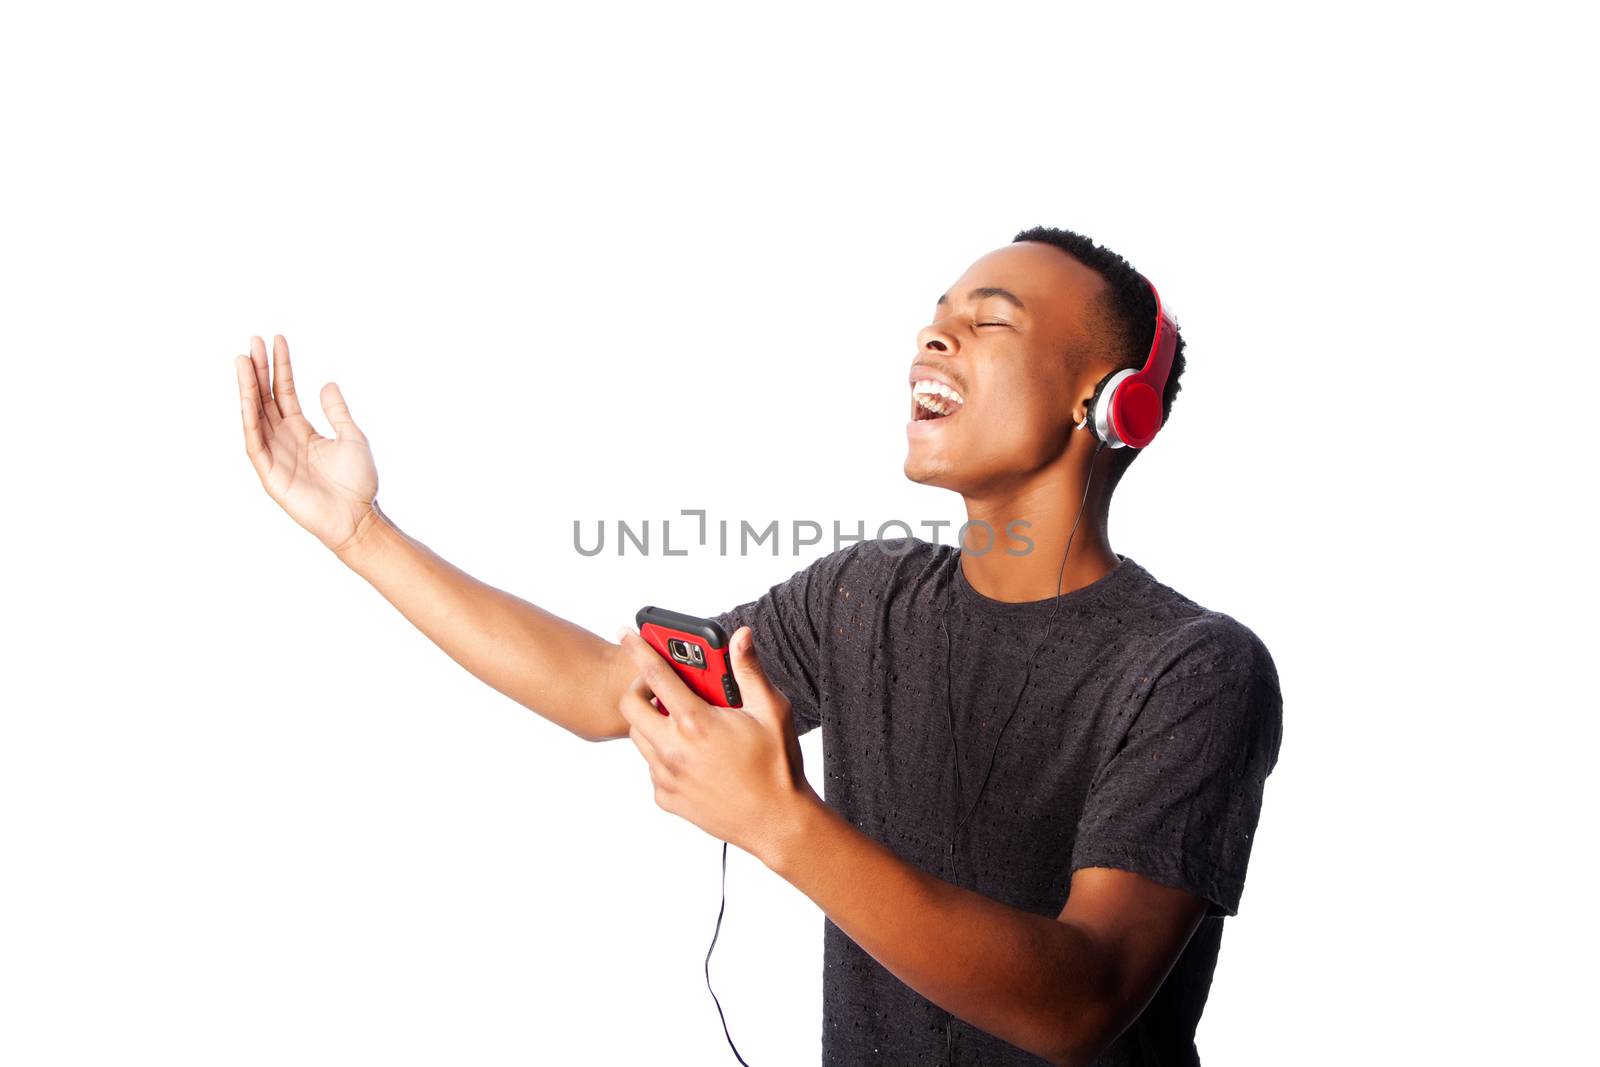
x=933, y=400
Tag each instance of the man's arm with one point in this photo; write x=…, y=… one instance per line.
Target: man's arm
x=550, y=666
x=329, y=486
x=1060, y=988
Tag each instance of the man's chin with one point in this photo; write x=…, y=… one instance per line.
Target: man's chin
x=924, y=471
x=932, y=453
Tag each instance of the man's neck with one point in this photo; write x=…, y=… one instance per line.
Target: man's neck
x=1048, y=503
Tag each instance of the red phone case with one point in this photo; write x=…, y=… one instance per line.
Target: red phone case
x=713, y=680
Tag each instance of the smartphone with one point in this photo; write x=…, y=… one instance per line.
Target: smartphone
x=697, y=649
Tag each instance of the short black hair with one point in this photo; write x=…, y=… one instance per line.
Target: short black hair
x=1125, y=318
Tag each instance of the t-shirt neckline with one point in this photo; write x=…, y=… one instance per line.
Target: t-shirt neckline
x=1083, y=598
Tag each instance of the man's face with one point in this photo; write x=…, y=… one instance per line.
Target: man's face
x=1011, y=370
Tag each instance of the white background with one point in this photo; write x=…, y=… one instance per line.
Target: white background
x=249, y=815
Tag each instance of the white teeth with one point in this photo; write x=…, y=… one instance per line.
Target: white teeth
x=923, y=388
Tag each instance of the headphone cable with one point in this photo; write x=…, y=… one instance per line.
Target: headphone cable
x=714, y=934
x=950, y=715
x=950, y=845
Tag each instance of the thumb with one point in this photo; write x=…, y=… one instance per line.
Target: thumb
x=752, y=678
x=338, y=412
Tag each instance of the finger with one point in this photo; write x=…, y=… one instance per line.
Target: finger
x=642, y=743
x=333, y=406
x=651, y=727
x=283, y=377
x=269, y=407
x=263, y=394
x=255, y=445
x=661, y=778
x=752, y=677
x=635, y=706
x=683, y=705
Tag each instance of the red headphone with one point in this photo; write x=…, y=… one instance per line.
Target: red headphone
x=1126, y=406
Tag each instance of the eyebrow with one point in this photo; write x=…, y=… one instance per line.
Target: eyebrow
x=983, y=291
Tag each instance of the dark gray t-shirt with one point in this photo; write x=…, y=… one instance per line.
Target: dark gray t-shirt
x=1142, y=742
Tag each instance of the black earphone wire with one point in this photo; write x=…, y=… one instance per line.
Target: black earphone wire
x=714, y=934
x=950, y=715
x=950, y=845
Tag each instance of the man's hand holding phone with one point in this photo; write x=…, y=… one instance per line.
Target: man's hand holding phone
x=737, y=773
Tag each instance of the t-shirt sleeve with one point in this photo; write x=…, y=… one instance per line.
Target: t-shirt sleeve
x=1179, y=800
x=789, y=622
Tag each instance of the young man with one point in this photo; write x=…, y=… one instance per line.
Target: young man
x=1043, y=766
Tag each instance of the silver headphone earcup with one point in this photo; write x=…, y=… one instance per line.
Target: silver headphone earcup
x=1100, y=407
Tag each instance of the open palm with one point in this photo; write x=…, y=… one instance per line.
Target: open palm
x=327, y=485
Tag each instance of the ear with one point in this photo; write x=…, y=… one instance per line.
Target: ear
x=1089, y=403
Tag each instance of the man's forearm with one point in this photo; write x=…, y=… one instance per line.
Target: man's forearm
x=1028, y=979
x=553, y=667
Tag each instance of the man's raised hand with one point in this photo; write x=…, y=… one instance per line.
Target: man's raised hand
x=327, y=485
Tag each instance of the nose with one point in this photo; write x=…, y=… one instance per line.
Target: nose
x=933, y=339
